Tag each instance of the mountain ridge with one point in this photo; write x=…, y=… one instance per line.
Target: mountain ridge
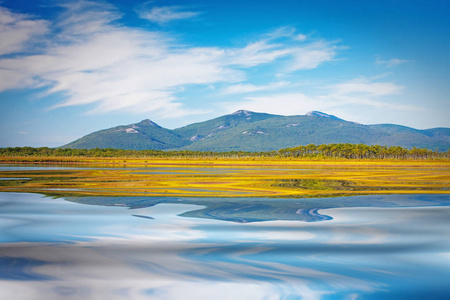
x=245, y=130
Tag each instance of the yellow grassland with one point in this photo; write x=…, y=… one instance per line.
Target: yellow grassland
x=255, y=177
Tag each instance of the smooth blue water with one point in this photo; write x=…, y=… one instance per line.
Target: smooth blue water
x=360, y=247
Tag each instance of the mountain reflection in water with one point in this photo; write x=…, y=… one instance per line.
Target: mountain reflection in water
x=245, y=210
x=360, y=247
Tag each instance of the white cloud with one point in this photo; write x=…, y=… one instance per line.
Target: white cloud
x=18, y=29
x=164, y=14
x=392, y=62
x=300, y=37
x=359, y=91
x=95, y=60
x=241, y=88
x=365, y=87
x=85, y=17
x=115, y=67
x=248, y=88
x=286, y=32
x=301, y=56
x=363, y=91
x=311, y=56
x=257, y=53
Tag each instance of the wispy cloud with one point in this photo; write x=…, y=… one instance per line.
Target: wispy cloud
x=164, y=14
x=93, y=59
x=393, y=62
x=112, y=66
x=257, y=53
x=16, y=30
x=285, y=32
x=301, y=54
x=360, y=91
x=311, y=56
x=365, y=87
x=366, y=92
x=248, y=88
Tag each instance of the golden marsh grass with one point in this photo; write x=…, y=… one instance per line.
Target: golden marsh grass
x=228, y=177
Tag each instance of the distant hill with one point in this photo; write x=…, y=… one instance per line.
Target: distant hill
x=250, y=131
x=143, y=135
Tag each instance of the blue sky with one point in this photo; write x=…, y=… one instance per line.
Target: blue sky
x=68, y=68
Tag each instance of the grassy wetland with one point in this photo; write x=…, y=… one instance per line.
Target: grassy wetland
x=224, y=177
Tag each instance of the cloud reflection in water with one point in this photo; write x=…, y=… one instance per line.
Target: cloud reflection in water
x=331, y=248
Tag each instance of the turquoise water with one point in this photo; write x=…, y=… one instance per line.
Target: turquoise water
x=359, y=247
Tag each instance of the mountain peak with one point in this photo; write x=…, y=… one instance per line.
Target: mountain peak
x=148, y=122
x=242, y=112
x=255, y=131
x=321, y=114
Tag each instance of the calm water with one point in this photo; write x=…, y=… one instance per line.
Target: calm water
x=360, y=247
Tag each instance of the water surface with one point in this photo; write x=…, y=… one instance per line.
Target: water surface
x=358, y=247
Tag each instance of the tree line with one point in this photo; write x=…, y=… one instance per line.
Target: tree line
x=336, y=151
x=361, y=151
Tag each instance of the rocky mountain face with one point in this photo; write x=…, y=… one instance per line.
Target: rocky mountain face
x=250, y=131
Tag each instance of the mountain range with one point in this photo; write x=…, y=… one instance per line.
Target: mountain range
x=251, y=131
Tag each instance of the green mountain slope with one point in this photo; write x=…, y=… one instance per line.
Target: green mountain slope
x=393, y=135
x=250, y=131
x=221, y=125
x=139, y=136
x=279, y=132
